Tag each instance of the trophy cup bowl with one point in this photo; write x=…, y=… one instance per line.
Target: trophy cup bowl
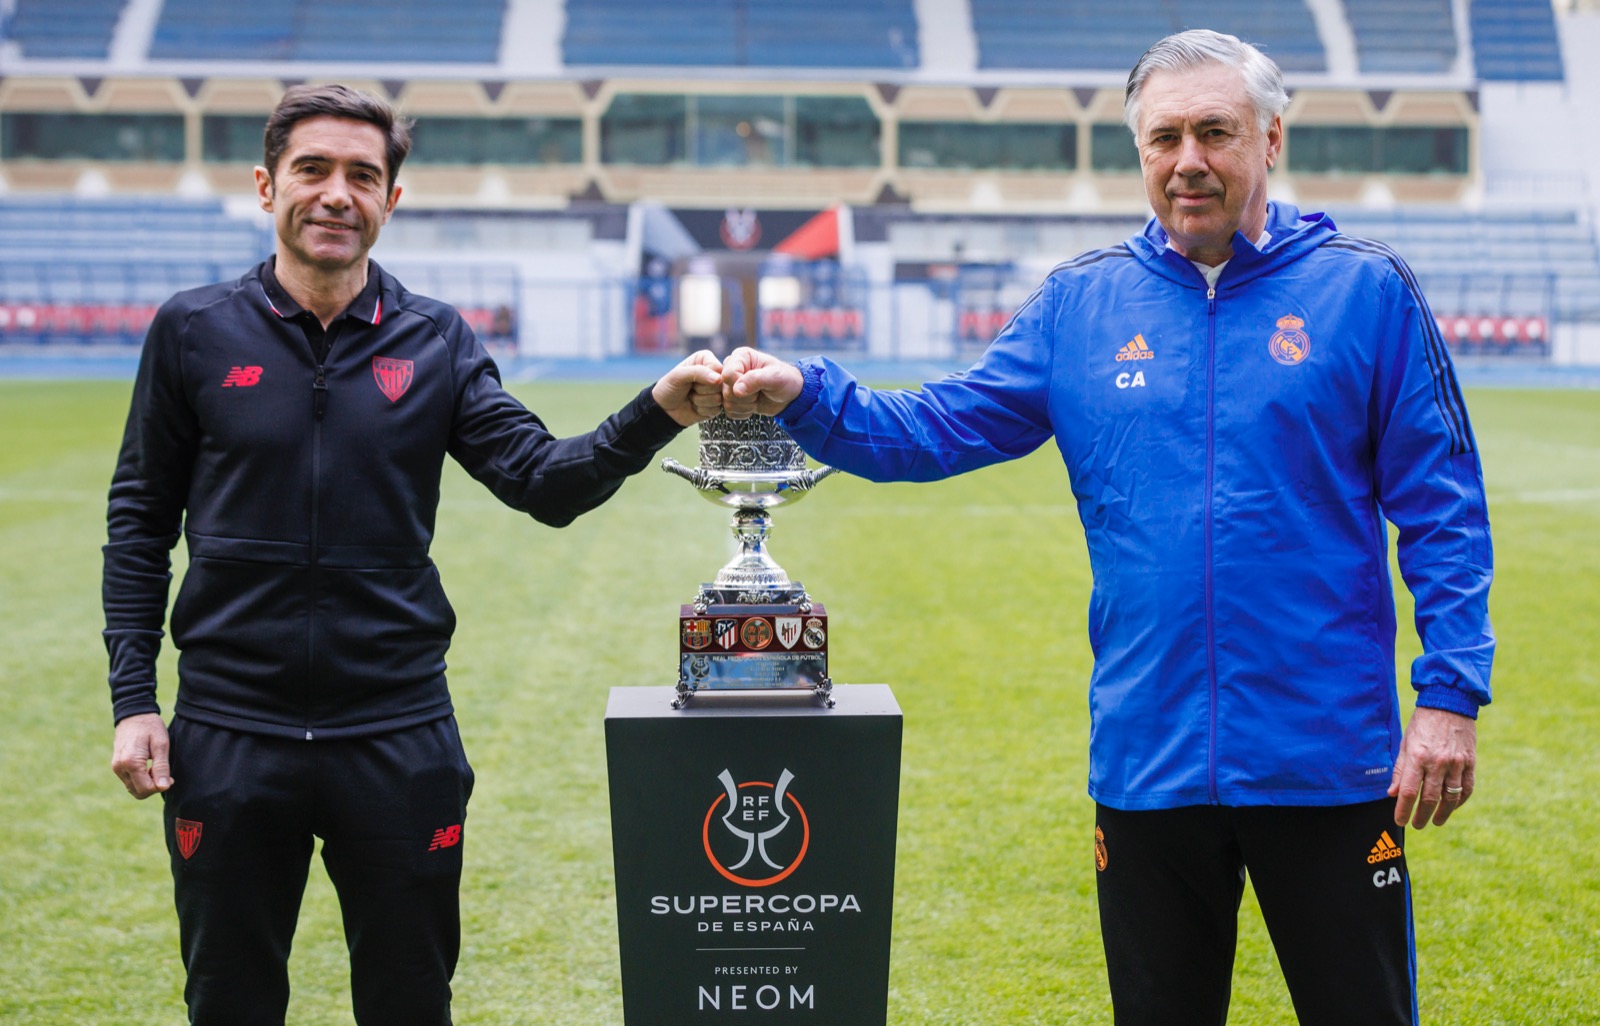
x=750, y=466
x=752, y=628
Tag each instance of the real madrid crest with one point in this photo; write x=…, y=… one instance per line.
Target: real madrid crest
x=1290, y=344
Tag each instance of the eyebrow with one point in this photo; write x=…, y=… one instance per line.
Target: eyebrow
x=296, y=158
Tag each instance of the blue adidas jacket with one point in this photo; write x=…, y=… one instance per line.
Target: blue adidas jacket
x=1233, y=455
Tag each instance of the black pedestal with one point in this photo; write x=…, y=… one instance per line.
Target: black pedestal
x=754, y=839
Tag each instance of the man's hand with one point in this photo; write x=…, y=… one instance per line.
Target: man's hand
x=1434, y=774
x=691, y=391
x=139, y=755
x=754, y=382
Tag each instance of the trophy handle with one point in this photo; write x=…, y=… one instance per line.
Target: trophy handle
x=806, y=480
x=703, y=480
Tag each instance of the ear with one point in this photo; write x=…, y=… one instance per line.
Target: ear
x=264, y=188
x=1274, y=140
x=394, y=198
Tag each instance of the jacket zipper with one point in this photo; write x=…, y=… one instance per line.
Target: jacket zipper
x=1210, y=584
x=319, y=398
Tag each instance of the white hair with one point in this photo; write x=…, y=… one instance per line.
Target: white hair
x=1263, y=81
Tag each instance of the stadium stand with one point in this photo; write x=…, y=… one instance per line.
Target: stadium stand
x=110, y=263
x=1482, y=272
x=1403, y=36
x=739, y=33
x=420, y=31
x=1057, y=34
x=64, y=28
x=1515, y=41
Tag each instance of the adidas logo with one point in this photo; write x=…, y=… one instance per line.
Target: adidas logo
x=1138, y=349
x=1384, y=850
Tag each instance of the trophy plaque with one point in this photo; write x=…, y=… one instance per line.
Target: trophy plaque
x=752, y=628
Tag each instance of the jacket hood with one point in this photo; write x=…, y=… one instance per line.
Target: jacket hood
x=1293, y=235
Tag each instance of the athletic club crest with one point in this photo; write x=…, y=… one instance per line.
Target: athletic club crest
x=393, y=376
x=1290, y=345
x=187, y=832
x=788, y=630
x=740, y=229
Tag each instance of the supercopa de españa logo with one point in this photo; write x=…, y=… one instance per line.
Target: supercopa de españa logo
x=756, y=833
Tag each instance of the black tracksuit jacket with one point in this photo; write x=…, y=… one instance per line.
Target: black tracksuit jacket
x=303, y=470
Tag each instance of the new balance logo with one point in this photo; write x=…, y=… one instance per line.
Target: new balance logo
x=243, y=377
x=446, y=837
x=1138, y=349
x=1384, y=850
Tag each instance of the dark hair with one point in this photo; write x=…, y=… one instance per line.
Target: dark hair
x=308, y=101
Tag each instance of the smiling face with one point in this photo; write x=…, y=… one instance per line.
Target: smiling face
x=329, y=196
x=1205, y=158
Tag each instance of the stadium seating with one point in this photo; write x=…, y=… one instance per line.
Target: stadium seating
x=739, y=33
x=64, y=28
x=1061, y=34
x=1403, y=36
x=111, y=263
x=1515, y=40
x=1515, y=263
x=330, y=30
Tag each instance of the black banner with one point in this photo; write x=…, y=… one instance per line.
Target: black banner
x=754, y=841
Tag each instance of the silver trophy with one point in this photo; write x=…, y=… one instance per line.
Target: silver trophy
x=752, y=628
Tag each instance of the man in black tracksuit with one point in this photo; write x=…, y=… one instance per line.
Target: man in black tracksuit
x=293, y=424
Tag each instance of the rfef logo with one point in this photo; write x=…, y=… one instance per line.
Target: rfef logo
x=756, y=831
x=393, y=376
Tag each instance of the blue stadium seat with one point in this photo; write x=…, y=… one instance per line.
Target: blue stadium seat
x=1403, y=36
x=411, y=31
x=64, y=28
x=1058, y=34
x=1515, y=40
x=742, y=33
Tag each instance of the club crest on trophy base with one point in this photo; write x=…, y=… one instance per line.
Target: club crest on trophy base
x=752, y=628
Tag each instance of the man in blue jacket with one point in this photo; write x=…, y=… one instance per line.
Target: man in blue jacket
x=293, y=425
x=1242, y=397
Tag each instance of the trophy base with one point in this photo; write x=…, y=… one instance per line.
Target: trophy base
x=753, y=647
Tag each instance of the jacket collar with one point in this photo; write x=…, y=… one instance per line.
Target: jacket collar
x=366, y=308
x=1293, y=235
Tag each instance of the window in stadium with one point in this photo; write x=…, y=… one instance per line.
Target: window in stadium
x=988, y=147
x=836, y=131
x=1112, y=150
x=232, y=138
x=475, y=141
x=113, y=137
x=641, y=128
x=1365, y=149
x=739, y=131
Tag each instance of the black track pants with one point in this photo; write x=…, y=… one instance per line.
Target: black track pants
x=241, y=818
x=1333, y=888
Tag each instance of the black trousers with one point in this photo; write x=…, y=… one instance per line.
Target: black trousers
x=241, y=817
x=1333, y=888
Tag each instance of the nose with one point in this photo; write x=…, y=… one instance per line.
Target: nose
x=1191, y=157
x=336, y=191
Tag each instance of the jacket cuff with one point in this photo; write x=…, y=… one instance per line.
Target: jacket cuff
x=1442, y=696
x=810, y=392
x=651, y=427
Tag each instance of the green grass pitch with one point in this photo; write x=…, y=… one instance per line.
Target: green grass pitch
x=967, y=597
